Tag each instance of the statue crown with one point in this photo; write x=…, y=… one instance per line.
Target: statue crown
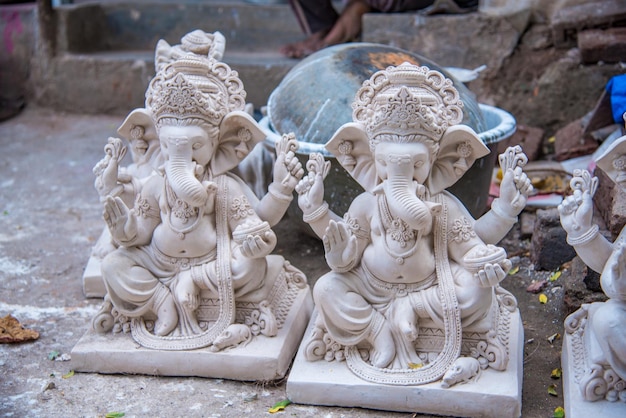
x=193, y=85
x=407, y=101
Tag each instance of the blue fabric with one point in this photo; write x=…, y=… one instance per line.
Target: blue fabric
x=616, y=87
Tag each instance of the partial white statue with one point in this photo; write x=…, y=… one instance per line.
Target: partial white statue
x=192, y=265
x=413, y=295
x=597, y=331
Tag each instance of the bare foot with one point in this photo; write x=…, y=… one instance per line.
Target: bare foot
x=383, y=348
x=306, y=47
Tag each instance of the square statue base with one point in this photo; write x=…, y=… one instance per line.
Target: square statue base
x=575, y=405
x=495, y=394
x=263, y=358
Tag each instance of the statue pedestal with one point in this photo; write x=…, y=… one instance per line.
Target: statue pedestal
x=495, y=394
x=263, y=358
x=93, y=285
x=575, y=405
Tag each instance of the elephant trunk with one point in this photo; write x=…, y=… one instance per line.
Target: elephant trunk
x=404, y=203
x=180, y=171
x=401, y=192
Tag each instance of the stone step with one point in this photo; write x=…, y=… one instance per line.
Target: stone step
x=108, y=48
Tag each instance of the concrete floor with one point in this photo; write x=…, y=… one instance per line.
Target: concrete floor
x=50, y=217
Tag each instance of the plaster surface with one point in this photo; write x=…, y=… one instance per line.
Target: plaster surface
x=263, y=358
x=495, y=394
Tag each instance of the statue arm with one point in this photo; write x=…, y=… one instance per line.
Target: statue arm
x=514, y=190
x=576, y=215
x=311, y=196
x=286, y=174
x=255, y=237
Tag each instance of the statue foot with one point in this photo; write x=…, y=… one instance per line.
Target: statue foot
x=383, y=349
x=167, y=318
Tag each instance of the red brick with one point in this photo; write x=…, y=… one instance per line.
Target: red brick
x=568, y=21
x=570, y=142
x=602, y=45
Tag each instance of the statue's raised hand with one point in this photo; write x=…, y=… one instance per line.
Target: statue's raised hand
x=106, y=170
x=311, y=188
x=340, y=246
x=121, y=222
x=515, y=185
x=287, y=170
x=576, y=210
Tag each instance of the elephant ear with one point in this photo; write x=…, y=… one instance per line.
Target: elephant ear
x=239, y=133
x=140, y=125
x=138, y=118
x=350, y=145
x=458, y=149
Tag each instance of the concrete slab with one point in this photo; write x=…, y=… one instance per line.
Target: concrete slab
x=263, y=358
x=495, y=394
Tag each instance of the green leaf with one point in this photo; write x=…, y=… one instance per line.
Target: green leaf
x=552, y=390
x=53, y=355
x=556, y=373
x=279, y=406
x=514, y=270
x=554, y=276
x=114, y=415
x=559, y=412
x=68, y=374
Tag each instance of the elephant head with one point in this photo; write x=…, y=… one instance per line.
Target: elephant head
x=197, y=104
x=406, y=140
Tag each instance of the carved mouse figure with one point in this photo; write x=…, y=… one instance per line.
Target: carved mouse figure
x=234, y=335
x=462, y=370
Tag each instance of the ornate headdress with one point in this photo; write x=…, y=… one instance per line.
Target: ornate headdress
x=191, y=82
x=406, y=102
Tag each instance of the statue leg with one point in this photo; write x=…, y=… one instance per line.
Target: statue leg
x=608, y=323
x=135, y=291
x=350, y=319
x=473, y=300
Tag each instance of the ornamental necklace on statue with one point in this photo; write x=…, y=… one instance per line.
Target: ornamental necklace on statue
x=398, y=230
x=181, y=210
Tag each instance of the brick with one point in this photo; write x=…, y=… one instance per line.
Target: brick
x=549, y=248
x=568, y=21
x=602, y=45
x=570, y=142
x=610, y=202
x=530, y=139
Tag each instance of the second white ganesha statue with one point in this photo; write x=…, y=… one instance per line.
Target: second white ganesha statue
x=413, y=294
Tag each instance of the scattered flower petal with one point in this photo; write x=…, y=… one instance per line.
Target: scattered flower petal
x=552, y=390
x=514, y=270
x=536, y=286
x=68, y=374
x=53, y=355
x=415, y=365
x=279, y=406
x=559, y=412
x=114, y=415
x=556, y=373
x=543, y=298
x=553, y=337
x=554, y=276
